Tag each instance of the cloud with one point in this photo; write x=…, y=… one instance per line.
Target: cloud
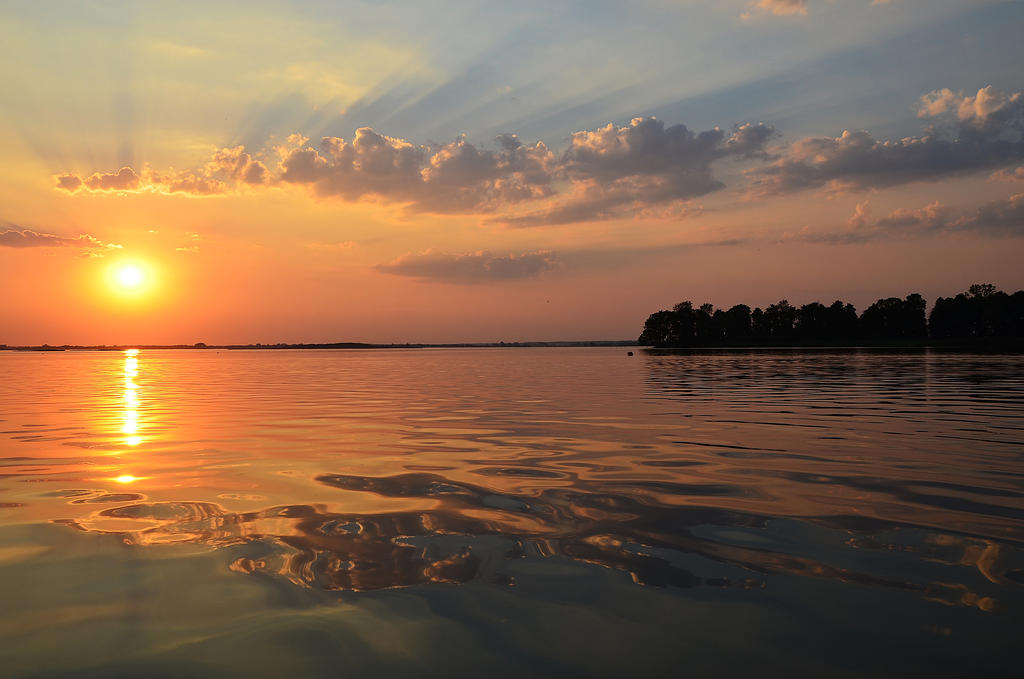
x=1003, y=217
x=68, y=182
x=27, y=238
x=485, y=267
x=982, y=132
x=634, y=167
x=603, y=173
x=1015, y=175
x=932, y=217
x=185, y=182
x=902, y=222
x=989, y=110
x=998, y=217
x=124, y=179
x=783, y=7
x=474, y=267
x=446, y=178
x=232, y=165
x=333, y=247
x=238, y=165
x=859, y=219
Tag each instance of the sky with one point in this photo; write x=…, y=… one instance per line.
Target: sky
x=425, y=171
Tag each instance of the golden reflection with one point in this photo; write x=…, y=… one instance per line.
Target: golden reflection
x=314, y=547
x=127, y=478
x=130, y=416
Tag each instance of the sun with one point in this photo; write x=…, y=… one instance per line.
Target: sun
x=131, y=278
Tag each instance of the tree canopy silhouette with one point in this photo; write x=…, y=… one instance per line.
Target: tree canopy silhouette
x=980, y=313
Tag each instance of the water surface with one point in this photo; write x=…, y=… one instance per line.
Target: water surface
x=514, y=512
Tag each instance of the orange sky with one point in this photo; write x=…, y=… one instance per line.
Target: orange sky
x=325, y=174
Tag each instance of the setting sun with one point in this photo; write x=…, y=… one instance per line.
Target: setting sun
x=130, y=276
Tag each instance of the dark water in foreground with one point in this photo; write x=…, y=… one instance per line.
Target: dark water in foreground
x=511, y=512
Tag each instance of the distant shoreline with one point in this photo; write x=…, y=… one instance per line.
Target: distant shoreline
x=329, y=345
x=1006, y=345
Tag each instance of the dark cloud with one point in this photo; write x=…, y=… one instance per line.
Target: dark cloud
x=27, y=238
x=475, y=267
x=980, y=132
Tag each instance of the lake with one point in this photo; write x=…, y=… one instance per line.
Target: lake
x=511, y=512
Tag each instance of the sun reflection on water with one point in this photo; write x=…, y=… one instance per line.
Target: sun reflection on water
x=130, y=416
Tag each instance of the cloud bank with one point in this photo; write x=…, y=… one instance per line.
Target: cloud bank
x=642, y=169
x=602, y=173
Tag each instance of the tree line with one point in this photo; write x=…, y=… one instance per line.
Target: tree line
x=978, y=314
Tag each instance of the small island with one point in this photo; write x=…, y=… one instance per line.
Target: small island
x=981, y=315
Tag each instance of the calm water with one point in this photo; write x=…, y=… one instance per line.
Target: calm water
x=510, y=512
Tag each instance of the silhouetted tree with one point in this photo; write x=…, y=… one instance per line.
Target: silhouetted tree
x=843, y=321
x=685, y=325
x=812, y=322
x=981, y=312
x=658, y=330
x=780, y=319
x=705, y=332
x=915, y=324
x=981, y=290
x=760, y=331
x=736, y=325
x=895, y=318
